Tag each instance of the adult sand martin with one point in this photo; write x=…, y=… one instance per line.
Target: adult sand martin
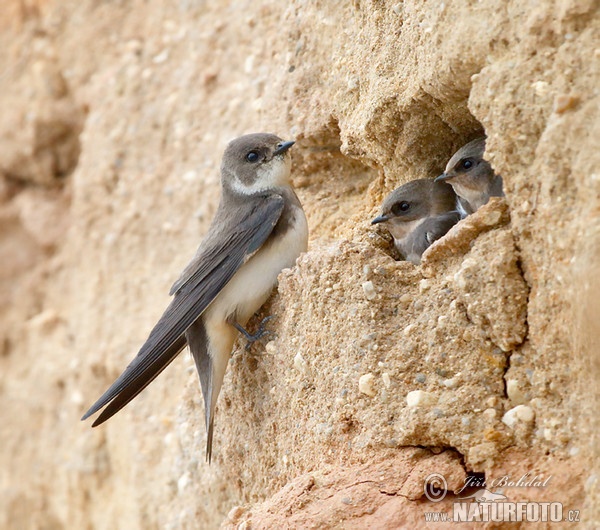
x=258, y=230
x=417, y=214
x=472, y=177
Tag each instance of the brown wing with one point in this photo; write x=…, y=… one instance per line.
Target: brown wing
x=216, y=263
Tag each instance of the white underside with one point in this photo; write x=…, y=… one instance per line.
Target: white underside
x=401, y=231
x=459, y=207
x=475, y=198
x=246, y=292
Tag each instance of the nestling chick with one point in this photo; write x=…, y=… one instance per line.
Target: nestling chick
x=472, y=177
x=417, y=214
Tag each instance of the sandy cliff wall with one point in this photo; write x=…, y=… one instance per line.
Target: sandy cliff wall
x=115, y=115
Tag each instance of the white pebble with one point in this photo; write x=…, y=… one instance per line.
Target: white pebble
x=161, y=57
x=451, y=383
x=591, y=482
x=424, y=285
x=366, y=384
x=369, y=290
x=490, y=413
x=514, y=392
x=540, y=87
x=406, y=298
x=492, y=401
x=300, y=364
x=189, y=176
x=183, y=482
x=520, y=413
x=353, y=83
x=420, y=398
x=77, y=398
x=385, y=377
x=409, y=329
x=271, y=347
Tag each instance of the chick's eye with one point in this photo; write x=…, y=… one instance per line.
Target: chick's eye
x=252, y=156
x=400, y=207
x=467, y=163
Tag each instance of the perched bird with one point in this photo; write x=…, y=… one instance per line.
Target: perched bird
x=417, y=214
x=258, y=230
x=472, y=177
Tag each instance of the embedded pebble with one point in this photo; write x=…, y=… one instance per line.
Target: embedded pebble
x=591, y=483
x=491, y=217
x=189, y=176
x=385, y=377
x=161, y=57
x=424, y=285
x=451, y=382
x=520, y=413
x=366, y=384
x=44, y=321
x=409, y=329
x=513, y=390
x=490, y=413
x=325, y=429
x=420, y=398
x=300, y=364
x=271, y=347
x=77, y=398
x=421, y=378
x=236, y=513
x=565, y=102
x=492, y=401
x=406, y=298
x=353, y=83
x=369, y=290
x=540, y=87
x=183, y=482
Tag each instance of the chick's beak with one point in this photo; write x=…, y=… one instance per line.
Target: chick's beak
x=380, y=219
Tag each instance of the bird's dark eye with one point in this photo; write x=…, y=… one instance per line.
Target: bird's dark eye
x=252, y=156
x=467, y=163
x=400, y=207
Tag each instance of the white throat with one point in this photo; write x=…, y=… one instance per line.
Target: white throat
x=400, y=231
x=273, y=174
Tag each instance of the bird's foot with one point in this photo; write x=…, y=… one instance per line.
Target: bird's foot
x=260, y=333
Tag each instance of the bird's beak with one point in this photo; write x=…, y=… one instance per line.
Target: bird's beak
x=380, y=219
x=283, y=147
x=442, y=178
